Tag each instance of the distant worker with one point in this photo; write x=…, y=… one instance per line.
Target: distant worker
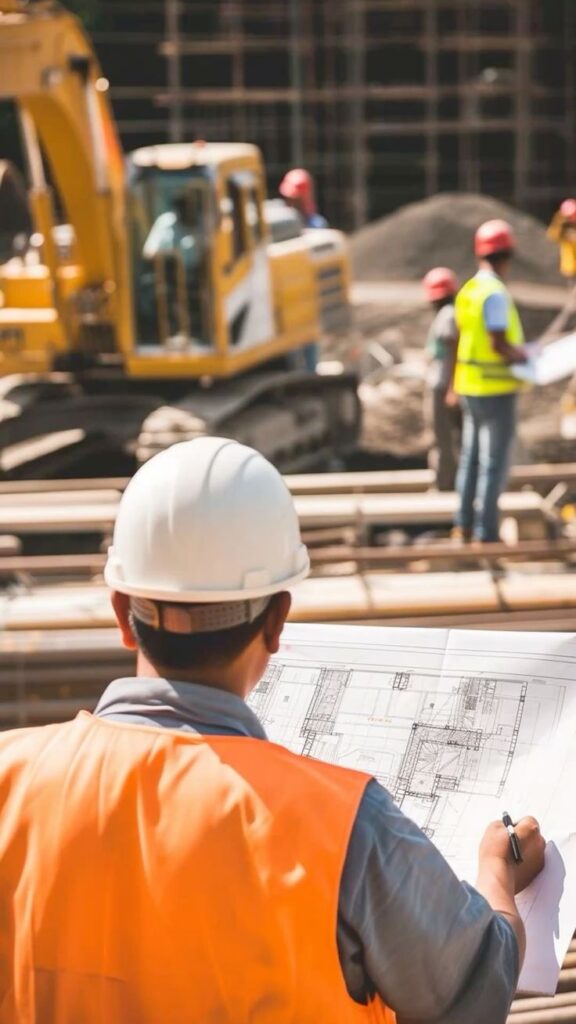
x=162, y=862
x=440, y=287
x=297, y=190
x=174, y=232
x=491, y=340
x=174, y=246
x=562, y=229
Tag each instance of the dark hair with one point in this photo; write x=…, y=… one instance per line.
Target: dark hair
x=495, y=258
x=446, y=300
x=194, y=650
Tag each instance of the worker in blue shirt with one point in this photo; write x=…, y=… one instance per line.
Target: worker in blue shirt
x=297, y=191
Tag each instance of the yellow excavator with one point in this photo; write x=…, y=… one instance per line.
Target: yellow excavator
x=159, y=296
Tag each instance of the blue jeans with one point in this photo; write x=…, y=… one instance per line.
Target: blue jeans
x=487, y=436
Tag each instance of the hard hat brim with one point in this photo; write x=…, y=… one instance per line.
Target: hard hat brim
x=115, y=581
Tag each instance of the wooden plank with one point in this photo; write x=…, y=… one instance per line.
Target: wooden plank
x=40, y=565
x=442, y=552
x=62, y=565
x=433, y=508
x=404, y=481
x=15, y=455
x=375, y=596
x=415, y=481
x=541, y=1003
x=89, y=518
x=315, y=511
x=44, y=499
x=109, y=483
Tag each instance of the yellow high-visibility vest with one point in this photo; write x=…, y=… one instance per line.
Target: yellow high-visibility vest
x=565, y=235
x=480, y=371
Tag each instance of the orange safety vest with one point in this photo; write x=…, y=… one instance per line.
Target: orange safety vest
x=150, y=876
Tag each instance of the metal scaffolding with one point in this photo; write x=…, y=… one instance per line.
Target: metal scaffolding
x=385, y=101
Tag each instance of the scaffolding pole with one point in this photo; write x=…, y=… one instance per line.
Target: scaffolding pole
x=357, y=135
x=523, y=147
x=174, y=69
x=296, y=82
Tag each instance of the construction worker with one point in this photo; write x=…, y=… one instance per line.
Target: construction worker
x=297, y=190
x=440, y=287
x=162, y=862
x=562, y=230
x=176, y=240
x=491, y=340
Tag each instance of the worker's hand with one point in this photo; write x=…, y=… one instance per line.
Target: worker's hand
x=521, y=354
x=495, y=849
x=451, y=399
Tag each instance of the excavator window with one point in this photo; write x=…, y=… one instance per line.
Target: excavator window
x=171, y=213
x=236, y=207
x=253, y=215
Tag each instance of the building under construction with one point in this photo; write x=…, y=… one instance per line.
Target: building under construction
x=386, y=101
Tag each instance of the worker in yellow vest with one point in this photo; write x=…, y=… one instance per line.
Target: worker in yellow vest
x=161, y=863
x=491, y=340
x=562, y=230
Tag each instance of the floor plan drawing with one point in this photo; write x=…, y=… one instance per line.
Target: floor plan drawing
x=457, y=725
x=440, y=732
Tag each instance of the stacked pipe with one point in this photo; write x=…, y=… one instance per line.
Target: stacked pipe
x=49, y=676
x=557, y=1009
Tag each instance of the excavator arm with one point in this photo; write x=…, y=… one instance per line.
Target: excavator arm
x=49, y=70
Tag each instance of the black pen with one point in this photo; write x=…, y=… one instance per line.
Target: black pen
x=509, y=826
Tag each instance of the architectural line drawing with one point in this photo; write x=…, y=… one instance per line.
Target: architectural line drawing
x=440, y=733
x=458, y=726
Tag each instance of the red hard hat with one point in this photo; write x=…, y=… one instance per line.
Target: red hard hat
x=440, y=283
x=494, y=236
x=568, y=210
x=296, y=184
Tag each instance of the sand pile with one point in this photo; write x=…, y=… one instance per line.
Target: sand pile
x=439, y=231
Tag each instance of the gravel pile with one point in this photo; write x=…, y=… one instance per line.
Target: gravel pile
x=439, y=231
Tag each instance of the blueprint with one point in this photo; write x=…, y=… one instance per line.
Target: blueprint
x=556, y=361
x=457, y=725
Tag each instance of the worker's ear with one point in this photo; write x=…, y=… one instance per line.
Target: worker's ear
x=276, y=615
x=121, y=606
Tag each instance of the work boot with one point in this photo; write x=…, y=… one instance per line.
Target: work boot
x=460, y=535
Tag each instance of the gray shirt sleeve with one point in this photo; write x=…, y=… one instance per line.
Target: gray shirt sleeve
x=410, y=930
x=445, y=324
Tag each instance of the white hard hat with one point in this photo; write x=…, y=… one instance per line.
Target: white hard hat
x=207, y=520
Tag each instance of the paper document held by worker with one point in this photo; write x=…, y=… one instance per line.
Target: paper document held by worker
x=457, y=725
x=547, y=365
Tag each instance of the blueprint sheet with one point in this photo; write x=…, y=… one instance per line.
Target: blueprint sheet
x=459, y=725
x=556, y=361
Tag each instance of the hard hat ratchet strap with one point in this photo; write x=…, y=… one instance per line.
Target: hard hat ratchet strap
x=197, y=618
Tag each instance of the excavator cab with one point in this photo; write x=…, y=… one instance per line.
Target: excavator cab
x=203, y=269
x=171, y=216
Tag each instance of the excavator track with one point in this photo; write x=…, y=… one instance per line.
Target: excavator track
x=56, y=424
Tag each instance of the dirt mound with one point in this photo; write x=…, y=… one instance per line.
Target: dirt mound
x=439, y=232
